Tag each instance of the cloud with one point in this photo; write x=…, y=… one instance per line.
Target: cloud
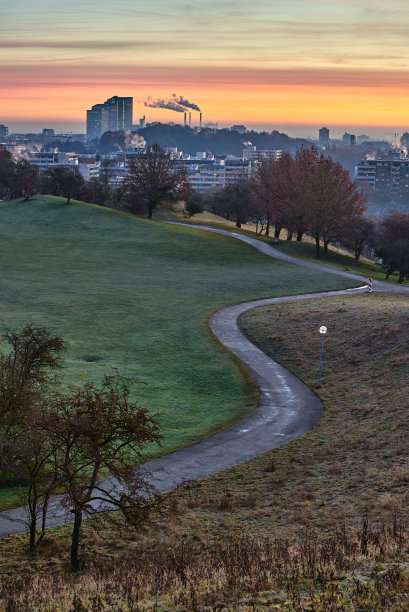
x=135, y=77
x=76, y=44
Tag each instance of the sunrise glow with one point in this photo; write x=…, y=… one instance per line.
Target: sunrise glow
x=295, y=62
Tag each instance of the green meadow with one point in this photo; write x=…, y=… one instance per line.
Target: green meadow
x=135, y=295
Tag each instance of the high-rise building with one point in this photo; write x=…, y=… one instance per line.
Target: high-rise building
x=324, y=136
x=120, y=111
x=114, y=114
x=4, y=131
x=348, y=139
x=97, y=121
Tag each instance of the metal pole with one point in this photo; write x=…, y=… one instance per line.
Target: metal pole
x=321, y=354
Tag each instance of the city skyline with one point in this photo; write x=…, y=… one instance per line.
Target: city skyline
x=295, y=65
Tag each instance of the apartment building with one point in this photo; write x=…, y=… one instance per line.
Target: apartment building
x=43, y=160
x=389, y=175
x=114, y=114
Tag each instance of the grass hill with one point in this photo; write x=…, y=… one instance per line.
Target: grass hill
x=135, y=295
x=318, y=524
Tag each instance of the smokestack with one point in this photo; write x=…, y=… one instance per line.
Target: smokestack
x=185, y=119
x=200, y=120
x=190, y=119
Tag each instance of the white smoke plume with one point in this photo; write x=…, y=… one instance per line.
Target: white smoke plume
x=181, y=101
x=179, y=104
x=25, y=151
x=133, y=140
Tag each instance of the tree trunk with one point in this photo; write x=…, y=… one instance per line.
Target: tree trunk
x=44, y=518
x=238, y=223
x=326, y=243
x=33, y=525
x=317, y=247
x=267, y=229
x=150, y=211
x=277, y=230
x=299, y=236
x=75, y=540
x=289, y=235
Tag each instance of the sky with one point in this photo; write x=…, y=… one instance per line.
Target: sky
x=292, y=65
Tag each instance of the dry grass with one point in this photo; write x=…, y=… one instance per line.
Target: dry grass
x=310, y=572
x=320, y=523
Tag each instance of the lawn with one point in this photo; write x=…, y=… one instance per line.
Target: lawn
x=317, y=524
x=335, y=257
x=134, y=294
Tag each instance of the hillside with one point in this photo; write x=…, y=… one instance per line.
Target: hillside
x=218, y=142
x=135, y=295
x=318, y=524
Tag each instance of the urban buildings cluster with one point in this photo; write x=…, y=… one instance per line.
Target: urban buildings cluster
x=389, y=172
x=348, y=140
x=204, y=170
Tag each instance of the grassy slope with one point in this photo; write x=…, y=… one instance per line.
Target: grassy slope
x=132, y=294
x=354, y=462
x=336, y=258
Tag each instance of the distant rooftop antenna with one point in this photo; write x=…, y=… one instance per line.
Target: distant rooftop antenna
x=395, y=135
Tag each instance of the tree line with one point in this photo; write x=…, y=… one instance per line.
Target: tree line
x=306, y=194
x=153, y=179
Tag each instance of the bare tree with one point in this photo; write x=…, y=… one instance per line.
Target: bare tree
x=155, y=179
x=393, y=250
x=359, y=235
x=237, y=200
x=270, y=196
x=63, y=181
x=329, y=195
x=17, y=177
x=30, y=451
x=94, y=432
x=26, y=372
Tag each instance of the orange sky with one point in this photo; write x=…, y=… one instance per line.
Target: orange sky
x=265, y=63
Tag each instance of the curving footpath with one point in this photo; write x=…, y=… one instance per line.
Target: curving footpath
x=287, y=408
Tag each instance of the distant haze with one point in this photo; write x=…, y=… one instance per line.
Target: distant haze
x=295, y=131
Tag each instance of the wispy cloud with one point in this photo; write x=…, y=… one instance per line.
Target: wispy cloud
x=78, y=44
x=134, y=76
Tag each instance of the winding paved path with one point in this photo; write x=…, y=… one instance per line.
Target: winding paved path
x=287, y=408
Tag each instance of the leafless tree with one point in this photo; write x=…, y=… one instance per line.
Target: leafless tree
x=155, y=179
x=94, y=432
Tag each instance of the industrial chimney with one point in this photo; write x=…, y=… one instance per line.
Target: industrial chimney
x=190, y=119
x=185, y=119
